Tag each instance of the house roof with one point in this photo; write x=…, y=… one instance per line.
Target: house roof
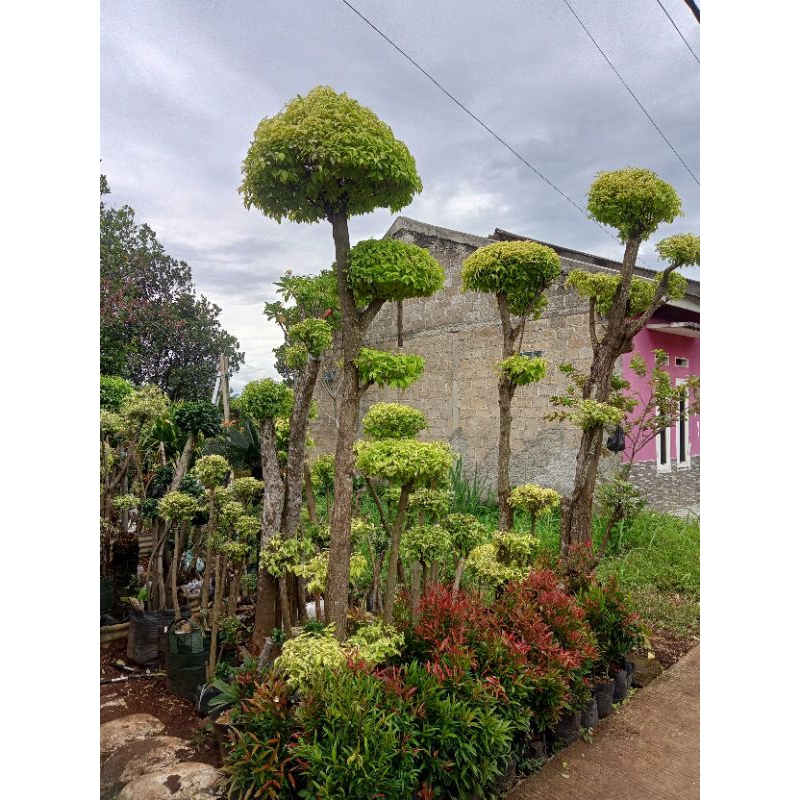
x=574, y=258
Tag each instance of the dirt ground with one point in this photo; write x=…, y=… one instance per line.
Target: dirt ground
x=150, y=696
x=669, y=647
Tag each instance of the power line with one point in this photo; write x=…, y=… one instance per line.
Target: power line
x=630, y=91
x=476, y=118
x=696, y=57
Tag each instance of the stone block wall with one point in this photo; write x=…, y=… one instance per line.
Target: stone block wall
x=458, y=335
x=676, y=491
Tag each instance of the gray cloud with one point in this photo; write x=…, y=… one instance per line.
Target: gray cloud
x=184, y=84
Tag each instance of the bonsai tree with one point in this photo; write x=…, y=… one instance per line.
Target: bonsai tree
x=212, y=471
x=175, y=507
x=518, y=275
x=426, y=545
x=193, y=419
x=264, y=401
x=507, y=557
x=400, y=460
x=325, y=157
x=533, y=499
x=635, y=202
x=466, y=532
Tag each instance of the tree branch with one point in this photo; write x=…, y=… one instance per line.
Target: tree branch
x=593, y=324
x=659, y=298
x=366, y=316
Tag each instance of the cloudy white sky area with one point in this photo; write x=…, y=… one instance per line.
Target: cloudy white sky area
x=185, y=82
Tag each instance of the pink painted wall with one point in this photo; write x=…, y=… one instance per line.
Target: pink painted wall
x=675, y=346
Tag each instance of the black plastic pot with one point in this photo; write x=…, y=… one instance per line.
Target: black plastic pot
x=106, y=595
x=620, y=684
x=630, y=667
x=147, y=636
x=186, y=658
x=567, y=728
x=589, y=715
x=603, y=693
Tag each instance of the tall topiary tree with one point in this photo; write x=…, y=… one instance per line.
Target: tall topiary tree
x=518, y=275
x=325, y=157
x=264, y=401
x=635, y=202
x=399, y=459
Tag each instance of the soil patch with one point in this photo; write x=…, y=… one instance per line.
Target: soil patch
x=670, y=647
x=150, y=696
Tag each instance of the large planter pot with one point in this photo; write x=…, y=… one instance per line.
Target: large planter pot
x=106, y=595
x=147, y=636
x=567, y=728
x=603, y=693
x=589, y=714
x=620, y=684
x=186, y=658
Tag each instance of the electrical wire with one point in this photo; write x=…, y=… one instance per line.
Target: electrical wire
x=696, y=57
x=630, y=91
x=475, y=117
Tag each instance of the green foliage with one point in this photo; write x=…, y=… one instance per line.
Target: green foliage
x=197, y=417
x=393, y=421
x=682, y=249
x=391, y=270
x=247, y=490
x=111, y=424
x=315, y=571
x=322, y=472
x=380, y=367
x=434, y=502
x=125, y=502
x=113, y=390
x=632, y=200
x=522, y=370
x=590, y=413
x=248, y=529
x=465, y=530
x=533, y=499
x=325, y=153
x=602, y=286
x=615, y=626
x=212, y=471
x=425, y=543
x=404, y=461
x=520, y=270
x=508, y=557
x=305, y=297
x=619, y=499
x=266, y=399
x=308, y=658
x=472, y=494
x=144, y=405
x=280, y=555
x=310, y=337
x=376, y=643
x=177, y=506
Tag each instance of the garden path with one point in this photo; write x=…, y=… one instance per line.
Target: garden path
x=649, y=748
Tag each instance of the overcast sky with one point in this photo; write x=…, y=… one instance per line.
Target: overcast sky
x=185, y=82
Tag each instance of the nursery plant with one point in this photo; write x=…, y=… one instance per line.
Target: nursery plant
x=635, y=202
x=325, y=157
x=264, y=401
x=177, y=508
x=533, y=499
x=466, y=532
x=518, y=274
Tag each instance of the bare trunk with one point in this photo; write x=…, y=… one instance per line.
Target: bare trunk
x=340, y=518
x=212, y=524
x=310, y=499
x=183, y=463
x=506, y=519
x=221, y=566
x=286, y=609
x=271, y=511
x=416, y=590
x=175, y=566
x=462, y=562
x=302, y=611
x=394, y=549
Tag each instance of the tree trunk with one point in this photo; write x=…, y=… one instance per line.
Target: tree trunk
x=394, y=549
x=212, y=524
x=271, y=512
x=286, y=608
x=416, y=590
x=506, y=519
x=340, y=519
x=175, y=566
x=310, y=499
x=462, y=562
x=183, y=463
x=576, y=509
x=221, y=567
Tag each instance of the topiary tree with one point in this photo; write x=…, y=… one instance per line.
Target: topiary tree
x=264, y=401
x=466, y=533
x=402, y=462
x=533, y=499
x=635, y=202
x=173, y=507
x=518, y=275
x=325, y=157
x=193, y=419
x=426, y=545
